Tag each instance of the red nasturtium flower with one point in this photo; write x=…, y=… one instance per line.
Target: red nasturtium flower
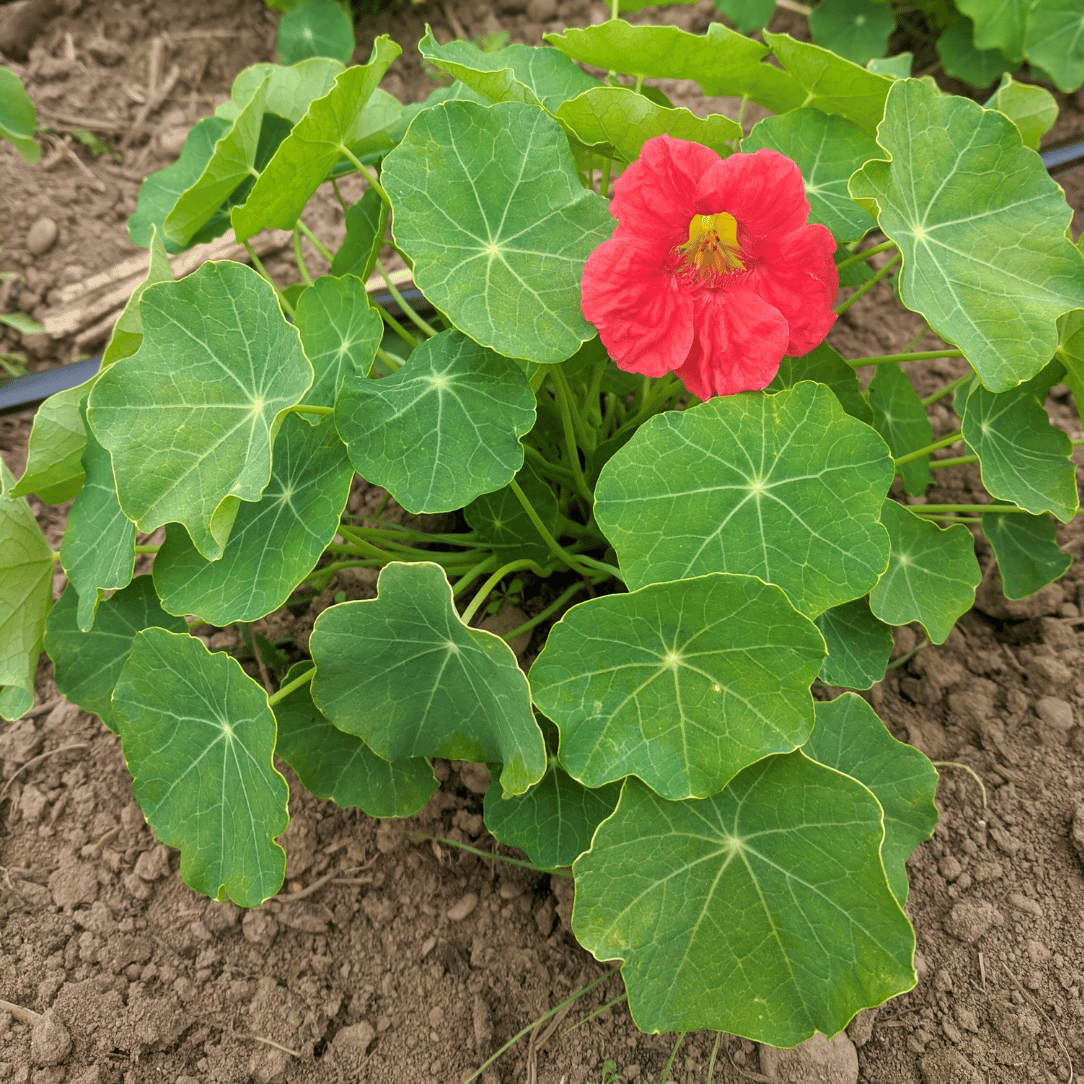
x=712, y=272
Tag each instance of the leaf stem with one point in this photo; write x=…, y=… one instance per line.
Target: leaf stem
x=951, y=387
x=868, y=284
x=593, y=562
x=422, y=325
x=551, y=543
x=395, y=326
x=921, y=355
x=339, y=195
x=483, y=592
x=472, y=574
x=553, y=470
x=673, y=1056
x=367, y=173
x=290, y=686
x=954, y=461
x=299, y=257
x=865, y=254
x=393, y=362
x=144, y=549
x=604, y=179
x=653, y=402
x=564, y=394
x=944, y=442
x=262, y=271
x=541, y=616
x=965, y=509
x=308, y=408
x=316, y=242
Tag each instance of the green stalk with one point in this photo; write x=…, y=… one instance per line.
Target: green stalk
x=538, y=618
x=553, y=470
x=948, y=388
x=536, y=519
x=299, y=257
x=673, y=1056
x=472, y=574
x=944, y=442
x=921, y=355
x=483, y=591
x=308, y=408
x=393, y=363
x=563, y=392
x=869, y=284
x=601, y=566
x=964, y=509
x=256, y=263
x=140, y=549
x=392, y=530
x=954, y=461
x=367, y=173
x=316, y=242
x=604, y=180
x=653, y=401
x=423, y=326
x=864, y=255
x=290, y=686
x=339, y=196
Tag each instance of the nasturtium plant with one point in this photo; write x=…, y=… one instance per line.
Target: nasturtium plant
x=616, y=386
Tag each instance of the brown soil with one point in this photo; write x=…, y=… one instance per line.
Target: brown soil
x=397, y=960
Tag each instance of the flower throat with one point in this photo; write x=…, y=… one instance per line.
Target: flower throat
x=712, y=248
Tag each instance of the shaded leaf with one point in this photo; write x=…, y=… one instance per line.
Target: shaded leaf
x=824, y=365
x=855, y=29
x=403, y=673
x=366, y=222
x=1054, y=40
x=763, y=911
x=275, y=542
x=747, y=14
x=316, y=28
x=501, y=520
x=441, y=430
x=900, y=417
x=998, y=24
x=963, y=59
x=217, y=366
x=852, y=739
x=87, y=664
x=859, y=645
x=128, y=330
x=342, y=768
x=198, y=738
x=680, y=684
x=932, y=573
x=786, y=487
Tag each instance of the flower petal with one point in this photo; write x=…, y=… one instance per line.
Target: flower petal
x=644, y=316
x=798, y=276
x=763, y=191
x=655, y=196
x=740, y=341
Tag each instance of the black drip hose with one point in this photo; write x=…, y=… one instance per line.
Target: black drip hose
x=28, y=392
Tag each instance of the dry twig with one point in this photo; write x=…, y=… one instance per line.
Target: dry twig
x=27, y=1016
x=41, y=756
x=1049, y=1023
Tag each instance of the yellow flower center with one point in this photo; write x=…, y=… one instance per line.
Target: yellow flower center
x=713, y=245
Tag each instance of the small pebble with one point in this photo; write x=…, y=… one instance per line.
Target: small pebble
x=459, y=911
x=1023, y=903
x=1055, y=712
x=41, y=236
x=50, y=1041
x=969, y=920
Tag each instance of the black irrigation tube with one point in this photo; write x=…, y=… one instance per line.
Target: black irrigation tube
x=28, y=392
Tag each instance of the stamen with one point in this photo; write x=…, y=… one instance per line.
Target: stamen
x=713, y=248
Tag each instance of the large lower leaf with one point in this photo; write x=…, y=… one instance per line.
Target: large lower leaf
x=681, y=684
x=340, y=767
x=981, y=226
x=275, y=541
x=217, y=366
x=487, y=203
x=26, y=593
x=763, y=911
x=1024, y=459
x=404, y=674
x=199, y=738
x=441, y=430
x=1027, y=552
x=334, y=124
x=859, y=645
x=827, y=150
x=900, y=417
x=932, y=573
x=97, y=551
x=852, y=739
x=786, y=487
x=554, y=821
x=86, y=665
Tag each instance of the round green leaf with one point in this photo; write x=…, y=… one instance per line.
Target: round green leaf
x=316, y=28
x=1027, y=552
x=1054, y=40
x=900, y=417
x=97, y=551
x=404, y=674
x=275, y=542
x=86, y=664
x=340, y=332
x=680, y=684
x=981, y=226
x=963, y=59
x=932, y=573
x=26, y=593
x=441, y=430
x=763, y=911
x=18, y=120
x=998, y=24
x=786, y=487
x=747, y=15
x=1032, y=109
x=343, y=119
x=554, y=821
x=341, y=768
x=1023, y=458
x=857, y=30
x=827, y=150
x=199, y=739
x=487, y=203
x=617, y=122
x=859, y=646
x=217, y=367
x=852, y=739
x=502, y=521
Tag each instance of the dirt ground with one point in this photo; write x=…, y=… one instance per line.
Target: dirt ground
x=395, y=960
